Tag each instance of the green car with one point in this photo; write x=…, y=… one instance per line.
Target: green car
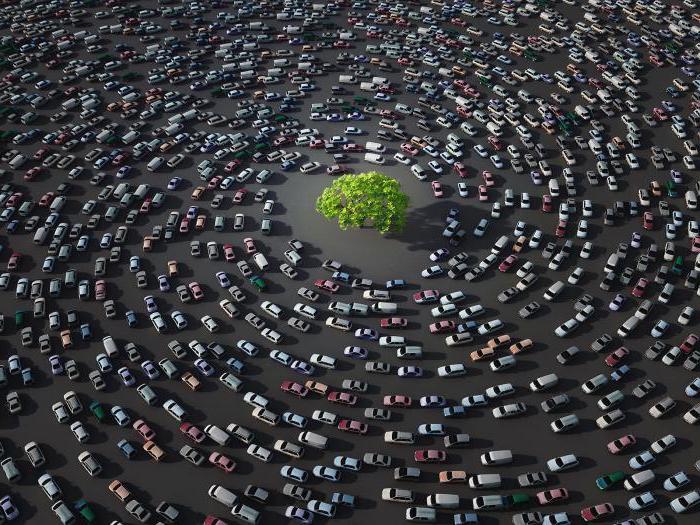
x=519, y=499
x=608, y=480
x=677, y=267
x=98, y=411
x=84, y=509
x=671, y=189
x=258, y=282
x=19, y=318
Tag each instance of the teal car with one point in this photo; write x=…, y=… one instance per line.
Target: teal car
x=608, y=480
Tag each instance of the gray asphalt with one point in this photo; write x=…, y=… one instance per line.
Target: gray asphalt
x=365, y=253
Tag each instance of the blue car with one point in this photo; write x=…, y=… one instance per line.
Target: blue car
x=395, y=283
x=86, y=331
x=454, y=411
x=131, y=318
x=341, y=498
x=126, y=448
x=343, y=277
x=235, y=365
x=619, y=373
x=288, y=165
x=466, y=518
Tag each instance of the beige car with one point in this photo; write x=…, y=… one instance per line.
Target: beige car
x=172, y=269
x=117, y=488
x=154, y=450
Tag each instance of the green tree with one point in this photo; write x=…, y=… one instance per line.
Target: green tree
x=366, y=199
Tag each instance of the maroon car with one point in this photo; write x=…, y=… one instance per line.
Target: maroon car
x=430, y=456
x=426, y=296
x=192, y=432
x=597, y=512
x=100, y=290
x=342, y=398
x=296, y=389
x=146, y=432
x=397, y=401
x=223, y=462
x=353, y=426
x=327, y=285
x=394, y=322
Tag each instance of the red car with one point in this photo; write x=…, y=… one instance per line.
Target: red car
x=410, y=149
x=394, y=322
x=225, y=463
x=192, y=432
x=547, y=203
x=495, y=143
x=460, y=170
x=430, y=456
x=46, y=199
x=695, y=245
x=146, y=432
x=327, y=285
x=508, y=263
x=442, y=327
x=214, y=182
x=249, y=245
x=100, y=290
x=488, y=178
x=688, y=345
x=353, y=426
x=614, y=358
x=483, y=193
x=231, y=166
x=547, y=497
x=228, y=252
x=353, y=148
x=196, y=291
x=426, y=296
x=239, y=195
x=640, y=287
x=14, y=261
x=622, y=443
x=342, y=398
x=294, y=388
x=560, y=231
x=437, y=189
x=184, y=225
x=213, y=520
x=597, y=512
x=32, y=173
x=648, y=220
x=397, y=400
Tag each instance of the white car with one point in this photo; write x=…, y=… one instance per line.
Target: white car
x=562, y=463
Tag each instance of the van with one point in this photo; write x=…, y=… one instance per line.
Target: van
x=245, y=514
x=627, y=327
x=611, y=264
x=240, y=433
x=10, y=470
x=216, y=434
x=261, y=261
x=553, y=291
x=312, y=439
x=485, y=481
x=63, y=513
x=443, y=501
x=421, y=514
x=110, y=346
x=374, y=158
x=375, y=147
x=40, y=235
x=222, y=495
x=384, y=308
x=493, y=502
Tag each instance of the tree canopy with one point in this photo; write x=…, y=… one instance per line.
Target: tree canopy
x=365, y=199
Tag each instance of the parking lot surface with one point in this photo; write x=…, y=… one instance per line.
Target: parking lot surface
x=548, y=151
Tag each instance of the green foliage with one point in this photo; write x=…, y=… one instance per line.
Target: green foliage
x=366, y=199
